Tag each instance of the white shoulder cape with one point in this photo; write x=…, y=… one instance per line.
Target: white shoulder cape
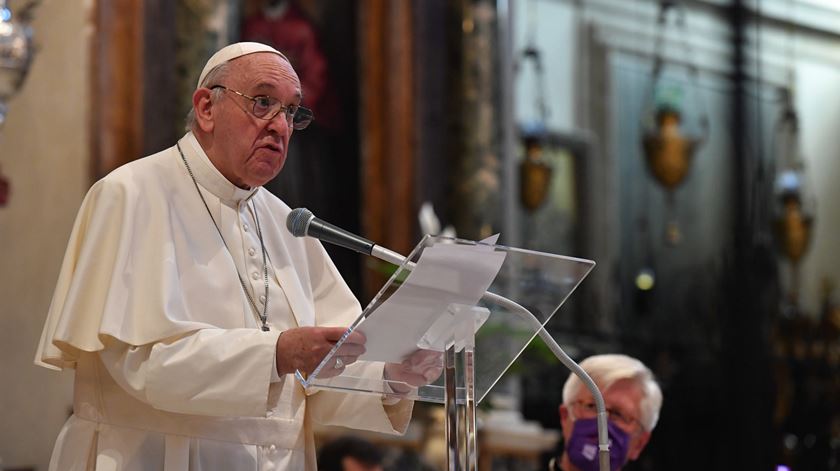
x=144, y=264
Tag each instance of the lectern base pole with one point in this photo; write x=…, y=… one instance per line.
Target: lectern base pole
x=460, y=411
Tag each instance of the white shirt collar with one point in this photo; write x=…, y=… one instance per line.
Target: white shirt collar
x=208, y=176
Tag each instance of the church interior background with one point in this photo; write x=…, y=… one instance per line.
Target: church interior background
x=689, y=147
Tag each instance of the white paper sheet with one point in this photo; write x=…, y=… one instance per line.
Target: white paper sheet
x=445, y=274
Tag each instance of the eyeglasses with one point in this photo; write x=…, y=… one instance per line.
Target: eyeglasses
x=266, y=107
x=588, y=410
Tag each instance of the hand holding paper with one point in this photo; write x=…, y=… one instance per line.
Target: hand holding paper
x=420, y=368
x=303, y=348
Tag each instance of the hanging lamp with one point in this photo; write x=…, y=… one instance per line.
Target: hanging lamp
x=794, y=201
x=674, y=123
x=534, y=172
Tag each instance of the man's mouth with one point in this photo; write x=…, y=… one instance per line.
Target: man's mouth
x=272, y=146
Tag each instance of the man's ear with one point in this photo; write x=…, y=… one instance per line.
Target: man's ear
x=203, y=109
x=637, y=445
x=564, y=415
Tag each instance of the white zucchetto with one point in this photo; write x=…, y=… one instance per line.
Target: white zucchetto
x=233, y=51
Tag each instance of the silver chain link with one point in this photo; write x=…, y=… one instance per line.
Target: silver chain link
x=264, y=316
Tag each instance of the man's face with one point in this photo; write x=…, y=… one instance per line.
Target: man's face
x=622, y=400
x=247, y=150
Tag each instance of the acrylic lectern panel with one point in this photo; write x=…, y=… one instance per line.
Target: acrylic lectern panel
x=455, y=292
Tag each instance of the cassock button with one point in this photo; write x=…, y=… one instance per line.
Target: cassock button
x=262, y=298
x=245, y=227
x=251, y=251
x=255, y=276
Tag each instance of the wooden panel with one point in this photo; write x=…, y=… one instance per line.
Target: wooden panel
x=387, y=134
x=117, y=85
x=372, y=140
x=399, y=158
x=163, y=120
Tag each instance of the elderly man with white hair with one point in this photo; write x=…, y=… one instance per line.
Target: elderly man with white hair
x=633, y=400
x=184, y=305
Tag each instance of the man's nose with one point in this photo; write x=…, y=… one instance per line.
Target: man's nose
x=280, y=124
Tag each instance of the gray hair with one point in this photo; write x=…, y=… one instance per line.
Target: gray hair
x=606, y=369
x=216, y=75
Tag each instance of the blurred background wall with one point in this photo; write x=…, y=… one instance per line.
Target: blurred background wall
x=45, y=154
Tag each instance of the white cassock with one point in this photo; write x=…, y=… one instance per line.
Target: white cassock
x=172, y=369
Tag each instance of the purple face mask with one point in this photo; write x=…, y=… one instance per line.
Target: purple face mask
x=583, y=445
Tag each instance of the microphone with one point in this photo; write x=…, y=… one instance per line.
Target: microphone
x=301, y=222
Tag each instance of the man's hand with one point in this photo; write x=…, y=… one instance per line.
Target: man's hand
x=419, y=369
x=303, y=349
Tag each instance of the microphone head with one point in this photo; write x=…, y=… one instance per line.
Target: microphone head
x=298, y=221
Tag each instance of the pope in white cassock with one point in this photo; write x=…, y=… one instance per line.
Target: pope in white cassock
x=178, y=281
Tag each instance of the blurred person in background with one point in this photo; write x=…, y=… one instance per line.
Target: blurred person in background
x=349, y=453
x=633, y=400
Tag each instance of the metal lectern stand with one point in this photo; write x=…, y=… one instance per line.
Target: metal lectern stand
x=470, y=301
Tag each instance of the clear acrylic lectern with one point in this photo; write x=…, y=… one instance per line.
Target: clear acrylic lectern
x=476, y=303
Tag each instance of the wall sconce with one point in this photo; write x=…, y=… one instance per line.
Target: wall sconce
x=16, y=52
